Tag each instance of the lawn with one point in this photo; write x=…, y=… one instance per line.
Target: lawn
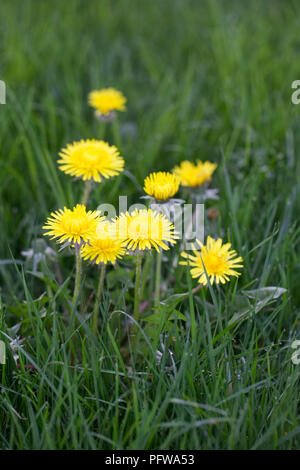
x=211, y=369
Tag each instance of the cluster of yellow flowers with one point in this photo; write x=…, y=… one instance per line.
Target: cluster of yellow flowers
x=102, y=241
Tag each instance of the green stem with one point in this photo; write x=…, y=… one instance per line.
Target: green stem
x=137, y=293
x=192, y=308
x=97, y=299
x=146, y=270
x=116, y=133
x=157, y=279
x=77, y=275
x=102, y=131
x=86, y=193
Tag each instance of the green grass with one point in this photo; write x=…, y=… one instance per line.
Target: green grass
x=207, y=79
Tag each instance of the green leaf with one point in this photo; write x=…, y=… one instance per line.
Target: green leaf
x=156, y=317
x=262, y=297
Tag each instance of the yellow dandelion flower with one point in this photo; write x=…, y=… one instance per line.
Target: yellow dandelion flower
x=144, y=229
x=161, y=185
x=75, y=226
x=191, y=174
x=102, y=247
x=91, y=160
x=107, y=100
x=219, y=260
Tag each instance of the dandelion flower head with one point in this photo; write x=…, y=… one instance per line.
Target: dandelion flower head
x=107, y=100
x=91, y=160
x=75, y=226
x=103, y=247
x=219, y=260
x=161, y=185
x=193, y=175
x=145, y=229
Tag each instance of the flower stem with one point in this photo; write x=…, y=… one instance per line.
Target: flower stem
x=86, y=193
x=137, y=293
x=94, y=324
x=102, y=129
x=77, y=275
x=116, y=133
x=146, y=269
x=192, y=308
x=157, y=279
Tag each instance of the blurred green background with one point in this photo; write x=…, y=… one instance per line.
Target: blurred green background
x=204, y=79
